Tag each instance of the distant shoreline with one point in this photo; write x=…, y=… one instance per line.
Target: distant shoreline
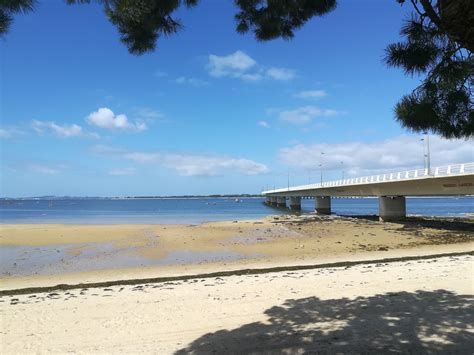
x=203, y=197
x=39, y=198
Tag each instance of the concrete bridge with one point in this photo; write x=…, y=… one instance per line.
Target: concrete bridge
x=391, y=188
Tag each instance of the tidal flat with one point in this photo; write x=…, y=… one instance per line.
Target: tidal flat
x=38, y=255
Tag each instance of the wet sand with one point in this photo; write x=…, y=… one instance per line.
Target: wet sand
x=45, y=255
x=418, y=306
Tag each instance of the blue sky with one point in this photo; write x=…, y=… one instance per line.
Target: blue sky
x=210, y=111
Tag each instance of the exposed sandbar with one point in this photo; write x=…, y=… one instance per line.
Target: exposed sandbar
x=98, y=253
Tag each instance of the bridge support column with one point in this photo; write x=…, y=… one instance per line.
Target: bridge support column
x=281, y=201
x=392, y=208
x=295, y=203
x=268, y=200
x=323, y=204
x=273, y=200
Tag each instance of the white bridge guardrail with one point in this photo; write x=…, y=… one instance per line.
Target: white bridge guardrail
x=448, y=170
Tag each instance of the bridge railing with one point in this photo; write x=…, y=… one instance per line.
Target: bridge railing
x=448, y=170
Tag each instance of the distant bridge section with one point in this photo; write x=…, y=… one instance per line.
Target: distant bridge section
x=391, y=188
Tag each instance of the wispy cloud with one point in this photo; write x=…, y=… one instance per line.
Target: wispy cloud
x=182, y=80
x=306, y=114
x=160, y=74
x=263, y=124
x=5, y=133
x=240, y=65
x=360, y=158
x=44, y=169
x=105, y=150
x=201, y=165
x=282, y=74
x=148, y=114
x=254, y=77
x=311, y=94
x=10, y=132
x=187, y=164
x=106, y=119
x=122, y=172
x=60, y=130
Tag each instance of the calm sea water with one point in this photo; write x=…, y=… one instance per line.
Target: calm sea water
x=192, y=211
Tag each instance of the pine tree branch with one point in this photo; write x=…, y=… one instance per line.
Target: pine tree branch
x=431, y=13
x=422, y=14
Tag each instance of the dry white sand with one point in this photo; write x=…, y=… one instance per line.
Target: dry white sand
x=412, y=306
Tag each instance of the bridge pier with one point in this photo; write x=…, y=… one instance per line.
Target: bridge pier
x=281, y=201
x=323, y=204
x=392, y=208
x=273, y=200
x=295, y=203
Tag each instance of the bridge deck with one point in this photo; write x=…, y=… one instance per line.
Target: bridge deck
x=456, y=179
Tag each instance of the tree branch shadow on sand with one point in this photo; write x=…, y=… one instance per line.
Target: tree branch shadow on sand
x=420, y=322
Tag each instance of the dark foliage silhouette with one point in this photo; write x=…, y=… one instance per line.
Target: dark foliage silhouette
x=437, y=46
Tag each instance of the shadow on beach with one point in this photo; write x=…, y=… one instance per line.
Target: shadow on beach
x=420, y=322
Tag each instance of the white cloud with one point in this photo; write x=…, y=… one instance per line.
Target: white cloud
x=311, y=94
x=233, y=65
x=282, y=74
x=191, y=81
x=64, y=131
x=187, y=164
x=105, y=118
x=393, y=154
x=306, y=114
x=44, y=170
x=241, y=65
x=263, y=124
x=122, y=172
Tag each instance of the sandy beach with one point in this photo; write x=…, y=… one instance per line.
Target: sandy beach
x=423, y=306
x=279, y=285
